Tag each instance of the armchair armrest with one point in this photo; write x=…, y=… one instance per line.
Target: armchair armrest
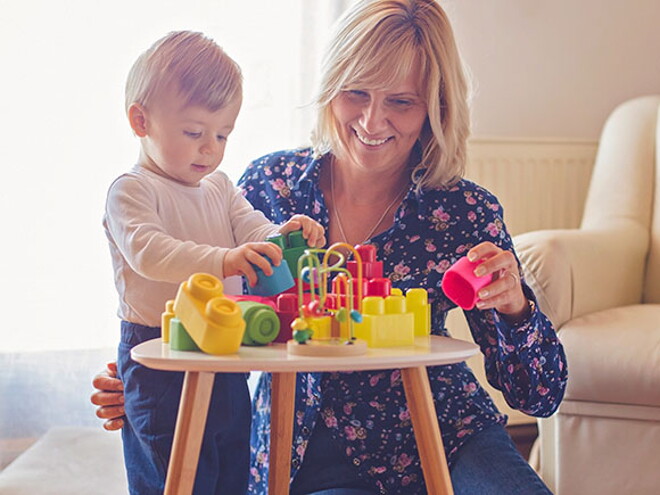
x=575, y=272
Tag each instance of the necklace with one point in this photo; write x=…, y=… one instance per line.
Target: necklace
x=336, y=208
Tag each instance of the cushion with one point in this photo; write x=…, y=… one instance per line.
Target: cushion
x=619, y=356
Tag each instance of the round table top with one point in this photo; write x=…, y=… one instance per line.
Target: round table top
x=427, y=351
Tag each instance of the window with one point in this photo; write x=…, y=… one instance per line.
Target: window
x=65, y=137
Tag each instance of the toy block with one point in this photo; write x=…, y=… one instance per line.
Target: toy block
x=379, y=287
x=287, y=311
x=417, y=303
x=293, y=246
x=261, y=323
x=321, y=326
x=165, y=318
x=385, y=322
x=370, y=267
x=213, y=321
x=279, y=281
x=180, y=339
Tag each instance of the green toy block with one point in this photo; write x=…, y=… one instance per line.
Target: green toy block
x=180, y=339
x=293, y=246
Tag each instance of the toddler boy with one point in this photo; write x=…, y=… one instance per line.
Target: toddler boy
x=173, y=215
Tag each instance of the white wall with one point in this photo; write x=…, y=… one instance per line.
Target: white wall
x=555, y=68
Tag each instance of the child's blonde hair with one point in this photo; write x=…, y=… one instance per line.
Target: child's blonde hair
x=190, y=63
x=376, y=45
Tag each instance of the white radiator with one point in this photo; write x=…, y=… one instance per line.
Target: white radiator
x=542, y=184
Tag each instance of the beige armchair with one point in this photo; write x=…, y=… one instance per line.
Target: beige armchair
x=600, y=285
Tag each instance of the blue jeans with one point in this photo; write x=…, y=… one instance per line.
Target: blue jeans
x=152, y=402
x=488, y=464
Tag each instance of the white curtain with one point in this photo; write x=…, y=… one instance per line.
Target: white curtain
x=64, y=137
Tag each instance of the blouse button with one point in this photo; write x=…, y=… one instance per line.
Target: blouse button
x=356, y=461
x=295, y=463
x=305, y=430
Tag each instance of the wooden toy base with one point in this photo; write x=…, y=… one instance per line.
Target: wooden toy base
x=327, y=348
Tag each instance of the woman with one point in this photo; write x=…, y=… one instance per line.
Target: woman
x=386, y=166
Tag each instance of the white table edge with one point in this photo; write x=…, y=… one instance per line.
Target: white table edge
x=427, y=351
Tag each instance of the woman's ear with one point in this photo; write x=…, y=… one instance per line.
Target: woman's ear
x=137, y=117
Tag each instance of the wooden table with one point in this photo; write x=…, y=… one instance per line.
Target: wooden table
x=200, y=368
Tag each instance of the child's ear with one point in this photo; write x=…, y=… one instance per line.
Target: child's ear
x=137, y=117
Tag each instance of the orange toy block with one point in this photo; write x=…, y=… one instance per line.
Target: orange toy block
x=213, y=321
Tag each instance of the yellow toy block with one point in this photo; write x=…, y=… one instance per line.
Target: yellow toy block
x=417, y=303
x=385, y=322
x=165, y=319
x=213, y=321
x=321, y=325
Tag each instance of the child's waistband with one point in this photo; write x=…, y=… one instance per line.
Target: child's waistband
x=134, y=333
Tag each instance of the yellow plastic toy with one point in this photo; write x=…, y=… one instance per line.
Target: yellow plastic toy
x=417, y=302
x=385, y=322
x=165, y=319
x=213, y=321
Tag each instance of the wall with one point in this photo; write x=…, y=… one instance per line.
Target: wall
x=555, y=69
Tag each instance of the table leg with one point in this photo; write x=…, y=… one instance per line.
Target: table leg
x=190, y=424
x=283, y=393
x=427, y=431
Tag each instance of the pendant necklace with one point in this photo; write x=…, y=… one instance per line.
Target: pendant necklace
x=336, y=208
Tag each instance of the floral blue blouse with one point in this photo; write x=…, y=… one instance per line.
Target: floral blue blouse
x=366, y=412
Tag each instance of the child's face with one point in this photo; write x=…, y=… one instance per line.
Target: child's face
x=185, y=143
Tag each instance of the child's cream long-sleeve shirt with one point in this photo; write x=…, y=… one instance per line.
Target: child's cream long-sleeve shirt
x=160, y=232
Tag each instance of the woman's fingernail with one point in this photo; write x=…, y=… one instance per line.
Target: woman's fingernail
x=483, y=294
x=480, y=271
x=480, y=304
x=472, y=256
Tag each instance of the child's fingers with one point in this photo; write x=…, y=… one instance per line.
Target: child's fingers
x=271, y=250
x=255, y=258
x=290, y=226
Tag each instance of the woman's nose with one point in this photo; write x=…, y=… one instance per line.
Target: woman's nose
x=373, y=117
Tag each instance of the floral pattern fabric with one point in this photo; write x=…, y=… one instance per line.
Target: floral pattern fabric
x=367, y=411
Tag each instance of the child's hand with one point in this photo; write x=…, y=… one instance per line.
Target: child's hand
x=239, y=261
x=312, y=230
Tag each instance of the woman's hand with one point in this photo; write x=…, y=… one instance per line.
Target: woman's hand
x=109, y=396
x=504, y=293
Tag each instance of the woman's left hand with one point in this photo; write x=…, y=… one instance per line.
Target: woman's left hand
x=504, y=293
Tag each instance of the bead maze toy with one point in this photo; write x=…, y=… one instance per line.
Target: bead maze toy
x=341, y=315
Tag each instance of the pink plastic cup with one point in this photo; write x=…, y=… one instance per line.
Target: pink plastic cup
x=461, y=285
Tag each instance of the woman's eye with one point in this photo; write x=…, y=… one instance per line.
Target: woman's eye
x=357, y=94
x=400, y=102
x=220, y=137
x=192, y=134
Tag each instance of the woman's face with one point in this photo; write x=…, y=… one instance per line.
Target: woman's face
x=378, y=128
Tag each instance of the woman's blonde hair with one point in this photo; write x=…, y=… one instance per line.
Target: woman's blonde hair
x=376, y=44
x=189, y=63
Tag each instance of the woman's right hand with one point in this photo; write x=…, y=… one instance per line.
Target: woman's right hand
x=109, y=396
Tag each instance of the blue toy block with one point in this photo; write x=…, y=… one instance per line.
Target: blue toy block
x=274, y=284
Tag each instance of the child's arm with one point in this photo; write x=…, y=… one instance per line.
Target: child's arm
x=136, y=219
x=313, y=232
